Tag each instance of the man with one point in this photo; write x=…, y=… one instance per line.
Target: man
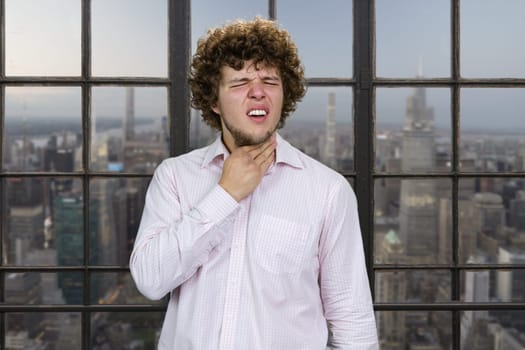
x=258, y=244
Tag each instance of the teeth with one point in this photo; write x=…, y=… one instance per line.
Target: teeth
x=257, y=112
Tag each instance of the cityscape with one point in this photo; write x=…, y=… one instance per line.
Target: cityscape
x=45, y=221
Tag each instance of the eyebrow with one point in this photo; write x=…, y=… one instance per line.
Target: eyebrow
x=246, y=79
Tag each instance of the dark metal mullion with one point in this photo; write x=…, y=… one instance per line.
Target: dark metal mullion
x=272, y=9
x=179, y=37
x=455, y=108
x=363, y=122
x=86, y=135
x=2, y=119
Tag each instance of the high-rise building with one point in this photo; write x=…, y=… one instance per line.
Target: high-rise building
x=129, y=116
x=511, y=284
x=418, y=204
x=328, y=154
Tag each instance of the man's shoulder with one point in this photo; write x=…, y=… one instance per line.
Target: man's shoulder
x=191, y=158
x=316, y=168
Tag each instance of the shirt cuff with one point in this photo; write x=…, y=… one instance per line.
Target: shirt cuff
x=217, y=205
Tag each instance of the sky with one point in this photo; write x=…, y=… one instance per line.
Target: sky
x=129, y=38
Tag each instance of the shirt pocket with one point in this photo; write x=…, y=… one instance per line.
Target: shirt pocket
x=280, y=244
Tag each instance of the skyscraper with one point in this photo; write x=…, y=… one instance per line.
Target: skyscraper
x=129, y=117
x=418, y=205
x=328, y=153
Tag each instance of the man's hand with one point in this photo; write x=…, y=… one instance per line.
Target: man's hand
x=245, y=167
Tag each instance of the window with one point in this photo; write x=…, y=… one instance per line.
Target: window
x=418, y=104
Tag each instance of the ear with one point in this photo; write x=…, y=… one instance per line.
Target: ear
x=216, y=109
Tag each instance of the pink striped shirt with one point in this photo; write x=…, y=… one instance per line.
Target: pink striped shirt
x=276, y=271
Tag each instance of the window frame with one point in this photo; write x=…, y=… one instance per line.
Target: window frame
x=363, y=83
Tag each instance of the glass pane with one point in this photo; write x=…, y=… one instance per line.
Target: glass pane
x=45, y=29
x=413, y=133
x=43, y=288
x=412, y=221
x=492, y=51
x=414, y=330
x=425, y=286
x=412, y=38
x=493, y=330
x=43, y=129
x=494, y=285
x=322, y=126
x=130, y=128
x=321, y=27
x=211, y=13
x=125, y=330
x=492, y=135
x=116, y=289
x=201, y=134
x=492, y=220
x=43, y=330
x=129, y=38
x=44, y=221
x=116, y=206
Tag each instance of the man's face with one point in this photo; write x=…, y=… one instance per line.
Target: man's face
x=249, y=103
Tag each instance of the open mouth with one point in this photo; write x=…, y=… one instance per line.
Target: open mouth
x=258, y=114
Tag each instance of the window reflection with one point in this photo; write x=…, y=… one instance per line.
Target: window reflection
x=414, y=329
x=129, y=129
x=413, y=132
x=492, y=220
x=129, y=38
x=44, y=221
x=125, y=330
x=322, y=127
x=42, y=37
x=43, y=130
x=43, y=330
x=116, y=205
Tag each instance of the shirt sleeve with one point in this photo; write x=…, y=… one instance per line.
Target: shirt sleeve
x=345, y=290
x=171, y=245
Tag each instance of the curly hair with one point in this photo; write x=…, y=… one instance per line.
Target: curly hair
x=259, y=40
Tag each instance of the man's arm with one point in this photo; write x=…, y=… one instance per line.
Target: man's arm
x=345, y=291
x=171, y=245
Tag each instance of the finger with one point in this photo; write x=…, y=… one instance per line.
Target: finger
x=266, y=156
x=267, y=146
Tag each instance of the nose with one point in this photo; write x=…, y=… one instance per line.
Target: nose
x=257, y=90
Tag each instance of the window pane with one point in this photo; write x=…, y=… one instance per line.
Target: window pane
x=45, y=29
x=419, y=286
x=323, y=33
x=412, y=221
x=201, y=134
x=44, y=221
x=116, y=289
x=492, y=129
x=414, y=329
x=129, y=38
x=43, y=330
x=43, y=288
x=125, y=330
x=492, y=51
x=130, y=130
x=494, y=285
x=211, y=13
x=496, y=329
x=492, y=220
x=42, y=129
x=116, y=205
x=412, y=38
x=322, y=126
x=413, y=133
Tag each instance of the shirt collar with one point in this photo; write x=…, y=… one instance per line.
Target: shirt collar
x=285, y=153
